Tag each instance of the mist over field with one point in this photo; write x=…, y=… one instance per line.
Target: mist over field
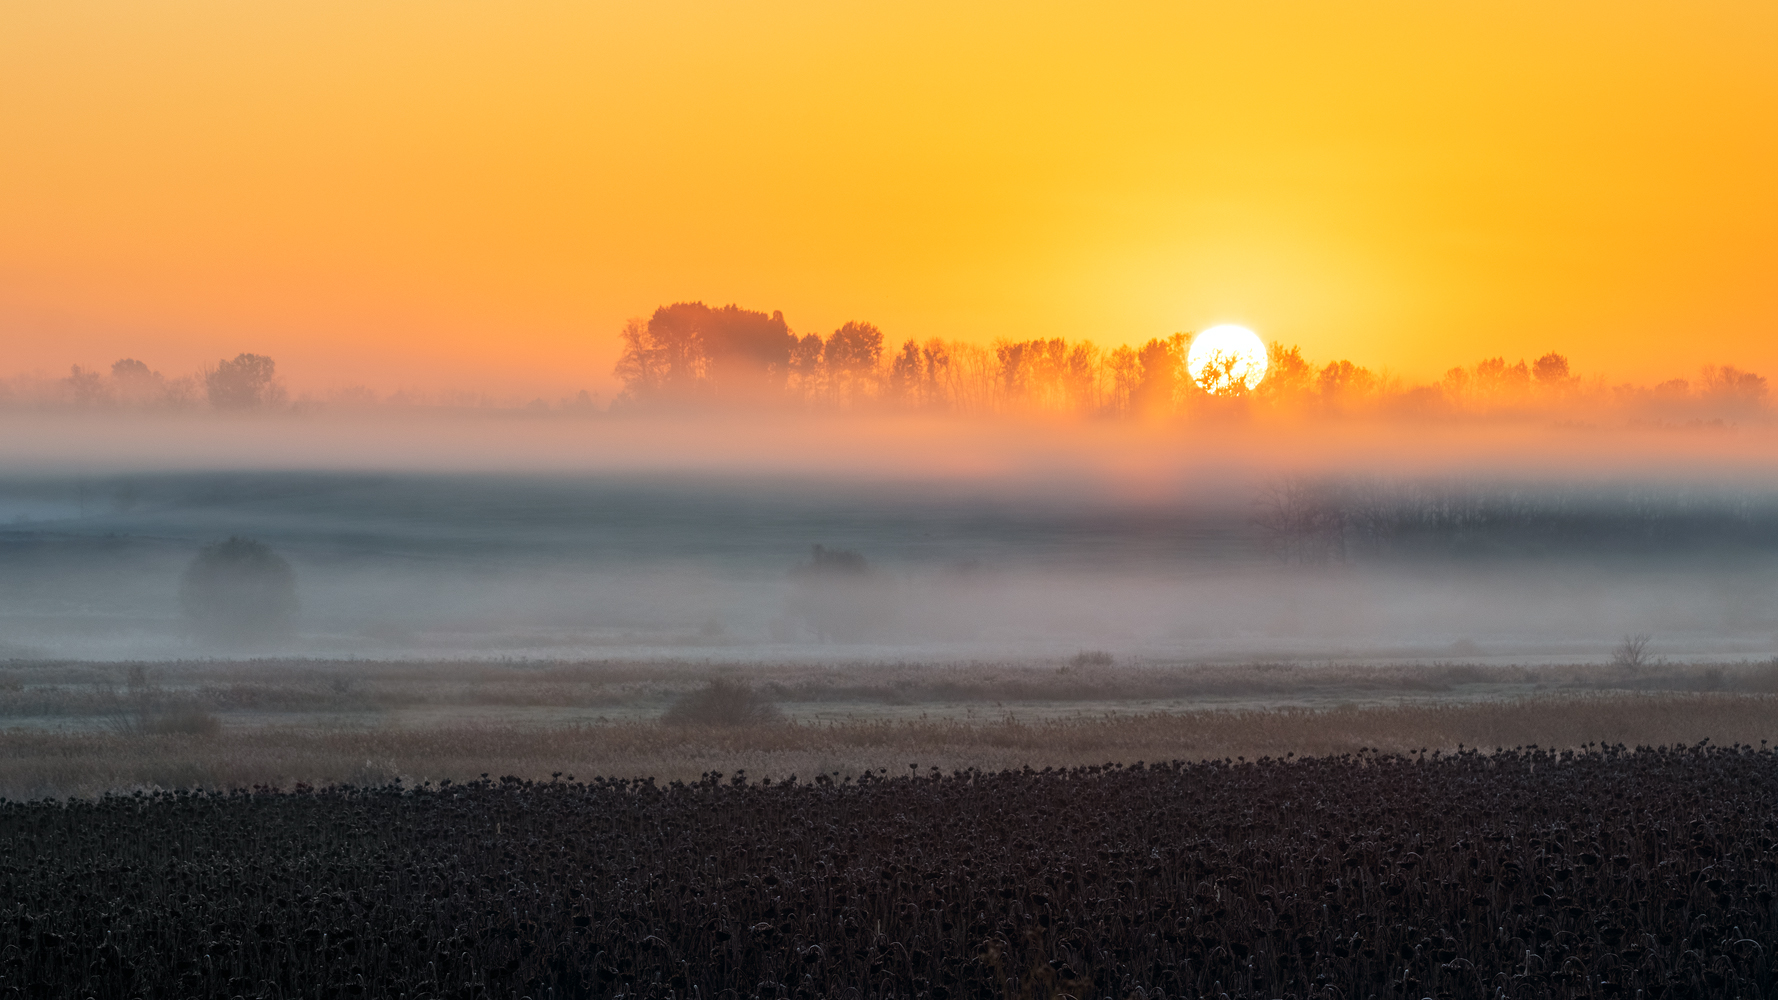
x=480, y=538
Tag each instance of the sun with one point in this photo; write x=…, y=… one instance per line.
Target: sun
x=1227, y=359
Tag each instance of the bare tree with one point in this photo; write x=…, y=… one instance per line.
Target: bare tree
x=143, y=708
x=1302, y=521
x=1632, y=652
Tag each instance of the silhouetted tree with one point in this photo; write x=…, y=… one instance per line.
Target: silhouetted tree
x=837, y=595
x=1125, y=371
x=1455, y=383
x=1733, y=387
x=242, y=384
x=1047, y=374
x=86, y=388
x=824, y=561
x=805, y=366
x=1494, y=377
x=1014, y=372
x=652, y=367
x=1288, y=376
x=1080, y=377
x=935, y=361
x=1342, y=380
x=749, y=352
x=1551, y=369
x=239, y=591
x=1301, y=520
x=1632, y=652
x=1160, y=363
x=134, y=382
x=907, y=375
x=851, y=358
x=688, y=350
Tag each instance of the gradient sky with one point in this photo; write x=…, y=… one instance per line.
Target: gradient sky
x=440, y=194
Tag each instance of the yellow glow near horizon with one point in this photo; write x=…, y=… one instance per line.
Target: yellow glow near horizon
x=436, y=194
x=1227, y=358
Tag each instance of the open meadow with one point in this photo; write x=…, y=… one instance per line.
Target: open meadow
x=717, y=739
x=1329, y=850
x=92, y=728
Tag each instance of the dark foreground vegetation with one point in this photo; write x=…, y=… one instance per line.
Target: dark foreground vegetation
x=1521, y=873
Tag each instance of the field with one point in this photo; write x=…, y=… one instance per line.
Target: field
x=87, y=728
x=1524, y=873
x=1077, y=828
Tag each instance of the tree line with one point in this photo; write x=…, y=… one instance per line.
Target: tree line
x=242, y=383
x=691, y=354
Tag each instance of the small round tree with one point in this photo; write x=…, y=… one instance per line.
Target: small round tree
x=239, y=591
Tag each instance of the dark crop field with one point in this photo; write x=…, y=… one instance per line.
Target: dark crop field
x=1522, y=873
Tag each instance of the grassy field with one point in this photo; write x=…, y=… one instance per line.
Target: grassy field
x=81, y=728
x=85, y=695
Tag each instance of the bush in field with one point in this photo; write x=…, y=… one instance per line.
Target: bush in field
x=837, y=594
x=184, y=720
x=722, y=702
x=143, y=708
x=239, y=591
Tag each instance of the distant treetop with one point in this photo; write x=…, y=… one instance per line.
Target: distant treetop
x=239, y=591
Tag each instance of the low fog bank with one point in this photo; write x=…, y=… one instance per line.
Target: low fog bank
x=726, y=569
x=1157, y=457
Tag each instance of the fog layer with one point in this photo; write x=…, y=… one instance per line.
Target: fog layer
x=1254, y=563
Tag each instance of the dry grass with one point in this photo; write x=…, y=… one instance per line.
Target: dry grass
x=62, y=690
x=36, y=764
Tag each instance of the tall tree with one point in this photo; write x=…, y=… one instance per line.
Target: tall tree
x=905, y=375
x=689, y=351
x=1161, y=362
x=87, y=388
x=242, y=384
x=1550, y=370
x=805, y=366
x=853, y=353
x=749, y=352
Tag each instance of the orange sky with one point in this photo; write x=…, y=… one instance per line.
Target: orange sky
x=435, y=194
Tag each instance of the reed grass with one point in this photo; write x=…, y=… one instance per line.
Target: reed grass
x=39, y=763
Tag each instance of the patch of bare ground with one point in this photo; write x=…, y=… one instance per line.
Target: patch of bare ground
x=53, y=763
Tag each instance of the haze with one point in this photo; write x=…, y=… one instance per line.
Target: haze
x=428, y=197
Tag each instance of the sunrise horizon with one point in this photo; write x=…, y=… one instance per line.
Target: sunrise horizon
x=916, y=500
x=429, y=198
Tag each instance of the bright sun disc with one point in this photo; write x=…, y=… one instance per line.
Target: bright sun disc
x=1226, y=358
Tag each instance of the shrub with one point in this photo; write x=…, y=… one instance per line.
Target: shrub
x=239, y=591
x=183, y=720
x=722, y=703
x=142, y=708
